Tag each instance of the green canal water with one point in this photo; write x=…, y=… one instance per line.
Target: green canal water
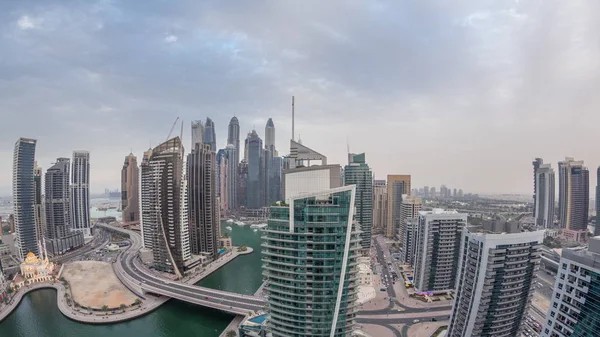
x=38, y=315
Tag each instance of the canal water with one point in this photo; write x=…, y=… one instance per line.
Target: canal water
x=38, y=314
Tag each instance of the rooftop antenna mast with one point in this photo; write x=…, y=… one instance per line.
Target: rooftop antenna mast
x=293, y=131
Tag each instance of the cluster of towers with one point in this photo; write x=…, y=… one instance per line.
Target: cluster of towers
x=59, y=211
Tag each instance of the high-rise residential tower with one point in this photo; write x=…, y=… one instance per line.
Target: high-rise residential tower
x=597, y=227
x=202, y=203
x=536, y=165
x=210, y=134
x=231, y=176
x=544, y=196
x=397, y=185
x=197, y=133
x=495, y=281
x=358, y=173
x=221, y=167
x=255, y=190
x=164, y=207
x=80, y=191
x=270, y=137
x=233, y=137
x=40, y=216
x=130, y=201
x=379, y=206
x=409, y=209
x=23, y=189
x=437, y=249
x=574, y=197
x=58, y=199
x=574, y=310
x=310, y=252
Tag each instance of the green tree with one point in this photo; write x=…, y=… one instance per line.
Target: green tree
x=105, y=307
x=137, y=301
x=231, y=333
x=122, y=307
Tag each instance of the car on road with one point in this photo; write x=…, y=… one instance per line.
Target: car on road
x=416, y=321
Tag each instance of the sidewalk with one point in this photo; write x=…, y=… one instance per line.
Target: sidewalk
x=424, y=329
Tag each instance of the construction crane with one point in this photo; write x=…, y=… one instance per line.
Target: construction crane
x=172, y=128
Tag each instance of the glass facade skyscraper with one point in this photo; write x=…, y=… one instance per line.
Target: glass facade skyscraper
x=358, y=173
x=80, y=191
x=26, y=239
x=310, y=249
x=255, y=189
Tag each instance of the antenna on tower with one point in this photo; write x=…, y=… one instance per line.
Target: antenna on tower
x=293, y=134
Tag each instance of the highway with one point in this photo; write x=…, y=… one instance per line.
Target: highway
x=101, y=238
x=136, y=273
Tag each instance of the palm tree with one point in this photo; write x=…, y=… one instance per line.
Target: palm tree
x=137, y=301
x=231, y=333
x=122, y=307
x=105, y=307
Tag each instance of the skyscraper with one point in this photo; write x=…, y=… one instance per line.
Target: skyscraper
x=379, y=206
x=203, y=206
x=536, y=165
x=574, y=310
x=221, y=184
x=210, y=134
x=233, y=137
x=495, y=282
x=437, y=249
x=58, y=199
x=311, y=270
x=23, y=189
x=409, y=242
x=409, y=210
x=574, y=198
x=597, y=227
x=358, y=173
x=270, y=137
x=40, y=216
x=164, y=206
x=197, y=133
x=130, y=201
x=80, y=191
x=544, y=196
x=397, y=185
x=255, y=189
x=231, y=176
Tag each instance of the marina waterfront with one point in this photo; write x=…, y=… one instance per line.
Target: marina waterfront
x=38, y=314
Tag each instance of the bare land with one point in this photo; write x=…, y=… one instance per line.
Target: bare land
x=94, y=284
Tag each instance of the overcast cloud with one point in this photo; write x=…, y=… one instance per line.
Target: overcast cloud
x=464, y=93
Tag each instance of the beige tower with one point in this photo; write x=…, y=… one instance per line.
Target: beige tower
x=379, y=206
x=397, y=185
x=130, y=201
x=409, y=209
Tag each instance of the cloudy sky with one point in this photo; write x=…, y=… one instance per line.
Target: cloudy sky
x=464, y=93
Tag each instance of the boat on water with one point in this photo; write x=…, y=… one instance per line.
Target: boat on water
x=240, y=223
x=255, y=230
x=230, y=221
x=228, y=228
x=260, y=225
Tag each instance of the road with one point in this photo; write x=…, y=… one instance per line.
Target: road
x=101, y=238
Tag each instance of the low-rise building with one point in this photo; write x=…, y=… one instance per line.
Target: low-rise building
x=225, y=243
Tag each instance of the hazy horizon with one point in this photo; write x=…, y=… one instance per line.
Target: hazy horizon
x=463, y=94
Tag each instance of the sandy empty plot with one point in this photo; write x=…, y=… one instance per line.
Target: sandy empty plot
x=94, y=284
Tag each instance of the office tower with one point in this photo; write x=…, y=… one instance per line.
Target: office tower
x=397, y=185
x=130, y=200
x=536, y=165
x=379, y=206
x=80, y=192
x=597, y=227
x=301, y=155
x=23, y=189
x=164, y=207
x=197, y=133
x=300, y=180
x=231, y=175
x=460, y=193
x=454, y=193
x=210, y=134
x=409, y=209
x=58, y=204
x=443, y=191
x=40, y=216
x=273, y=179
x=432, y=191
x=242, y=183
x=437, y=249
x=358, y=173
x=574, y=310
x=255, y=189
x=202, y=200
x=426, y=191
x=495, y=281
x=310, y=265
x=270, y=137
x=246, y=142
x=233, y=137
x=409, y=241
x=544, y=196
x=573, y=197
